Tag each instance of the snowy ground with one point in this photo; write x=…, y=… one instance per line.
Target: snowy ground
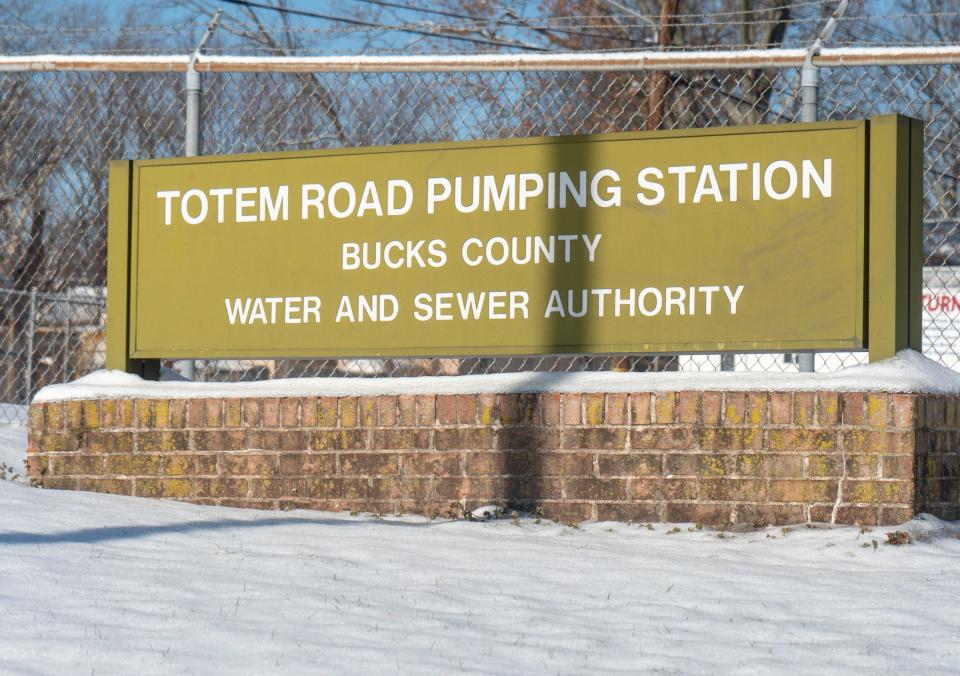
x=13, y=442
x=99, y=584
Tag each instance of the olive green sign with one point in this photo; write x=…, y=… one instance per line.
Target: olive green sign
x=742, y=239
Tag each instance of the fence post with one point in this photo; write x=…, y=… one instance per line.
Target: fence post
x=28, y=371
x=194, y=92
x=67, y=330
x=810, y=99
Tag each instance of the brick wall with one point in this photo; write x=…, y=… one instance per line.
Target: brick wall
x=708, y=457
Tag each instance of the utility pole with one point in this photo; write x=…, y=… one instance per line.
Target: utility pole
x=194, y=137
x=810, y=98
x=658, y=88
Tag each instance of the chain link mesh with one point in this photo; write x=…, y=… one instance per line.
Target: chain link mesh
x=59, y=129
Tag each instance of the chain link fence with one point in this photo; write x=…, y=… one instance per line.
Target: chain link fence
x=59, y=129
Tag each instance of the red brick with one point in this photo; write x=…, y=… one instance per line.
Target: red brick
x=863, y=441
x=617, y=409
x=35, y=415
x=266, y=488
x=387, y=409
x=755, y=408
x=688, y=407
x=551, y=409
x=665, y=489
x=102, y=485
x=640, y=408
x=768, y=465
x=760, y=516
x=232, y=413
x=863, y=466
x=248, y=464
x=567, y=512
x=711, y=406
x=528, y=409
x=735, y=408
x=77, y=464
x=780, y=408
x=828, y=408
x=125, y=414
x=898, y=466
x=852, y=408
x=497, y=463
x=934, y=412
x=564, y=464
x=525, y=492
x=219, y=487
x=401, y=439
x=629, y=464
x=527, y=438
x=214, y=412
x=824, y=465
x=178, y=414
x=482, y=488
x=196, y=412
x=681, y=463
x=54, y=414
x=347, y=411
x=449, y=488
x=447, y=409
x=319, y=412
x=291, y=440
x=251, y=412
x=344, y=439
x=108, y=409
x=730, y=439
x=707, y=514
x=71, y=414
x=571, y=409
x=593, y=409
x=308, y=464
x=903, y=411
x=802, y=440
x=595, y=489
x=877, y=406
x=595, y=438
x=894, y=516
x=131, y=465
x=406, y=410
x=877, y=491
x=90, y=415
x=384, y=464
x=38, y=466
x=289, y=412
x=426, y=410
x=467, y=409
x=629, y=511
x=60, y=483
x=368, y=411
x=432, y=464
x=803, y=490
x=804, y=408
x=664, y=405
x=662, y=438
x=487, y=409
x=469, y=438
x=861, y=516
x=59, y=443
x=733, y=490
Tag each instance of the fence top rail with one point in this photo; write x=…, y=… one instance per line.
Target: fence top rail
x=560, y=61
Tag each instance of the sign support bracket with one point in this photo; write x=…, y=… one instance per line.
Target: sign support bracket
x=119, y=225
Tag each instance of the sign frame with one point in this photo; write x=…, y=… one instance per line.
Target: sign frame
x=890, y=266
